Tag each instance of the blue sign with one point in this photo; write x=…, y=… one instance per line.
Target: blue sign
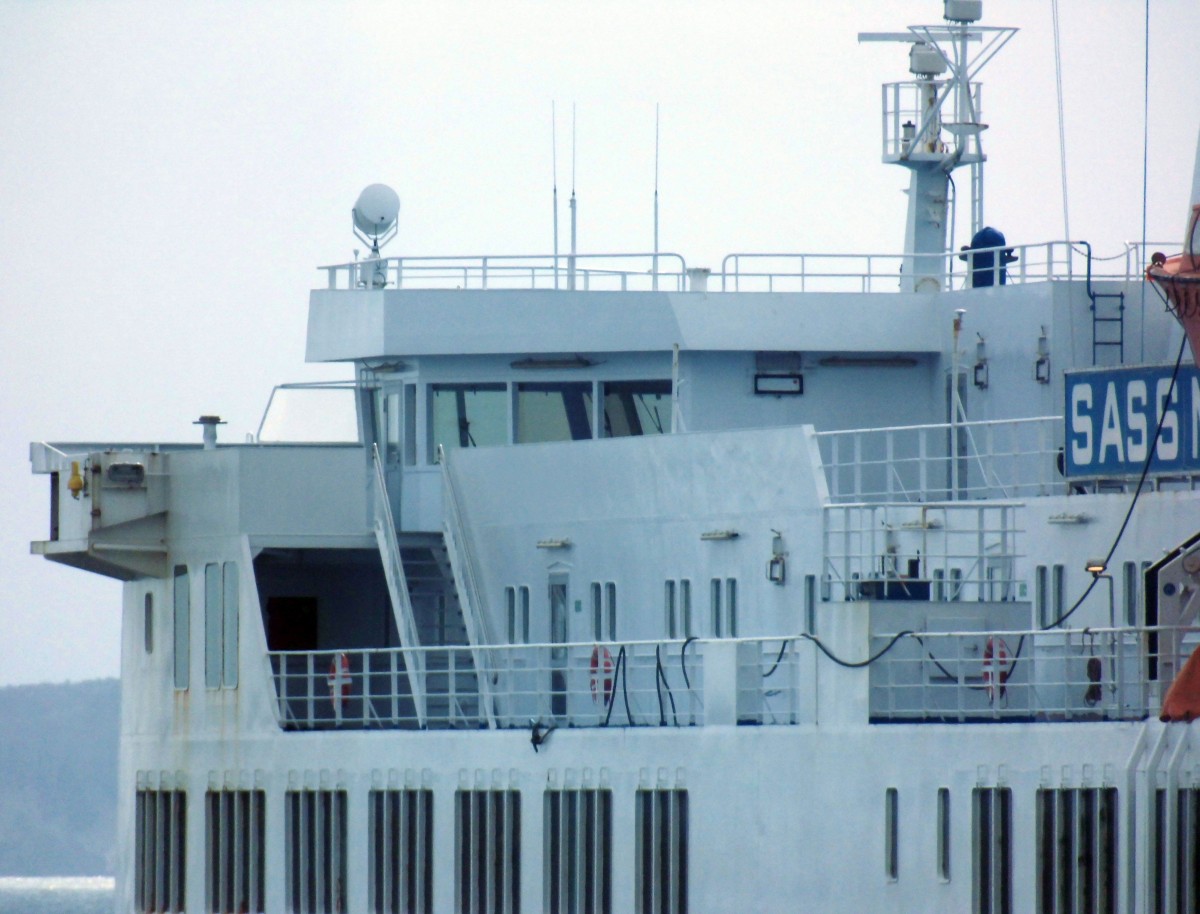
x=1112, y=413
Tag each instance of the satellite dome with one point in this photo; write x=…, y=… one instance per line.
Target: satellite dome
x=377, y=209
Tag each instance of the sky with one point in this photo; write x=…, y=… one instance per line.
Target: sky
x=173, y=173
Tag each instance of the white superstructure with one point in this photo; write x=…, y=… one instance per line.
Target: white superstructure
x=649, y=589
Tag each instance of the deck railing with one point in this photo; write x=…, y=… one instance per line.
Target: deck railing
x=1008, y=458
x=1090, y=674
x=656, y=684
x=739, y=272
x=924, y=677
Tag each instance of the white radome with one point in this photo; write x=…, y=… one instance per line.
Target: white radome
x=377, y=209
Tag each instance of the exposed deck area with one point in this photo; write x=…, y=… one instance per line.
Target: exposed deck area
x=943, y=677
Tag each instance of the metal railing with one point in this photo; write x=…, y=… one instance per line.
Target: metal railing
x=589, y=272
x=1090, y=674
x=742, y=271
x=654, y=684
x=811, y=272
x=925, y=677
x=952, y=551
x=1008, y=458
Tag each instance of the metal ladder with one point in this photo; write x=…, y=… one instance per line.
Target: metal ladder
x=1108, y=317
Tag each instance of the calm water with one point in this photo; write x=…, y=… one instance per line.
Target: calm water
x=56, y=895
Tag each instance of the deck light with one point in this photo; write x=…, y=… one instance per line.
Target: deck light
x=554, y=544
x=1096, y=567
x=719, y=535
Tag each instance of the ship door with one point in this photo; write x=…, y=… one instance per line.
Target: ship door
x=558, y=636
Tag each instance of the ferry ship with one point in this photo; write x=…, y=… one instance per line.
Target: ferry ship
x=828, y=582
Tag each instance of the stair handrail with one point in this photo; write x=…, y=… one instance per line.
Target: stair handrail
x=393, y=568
x=462, y=566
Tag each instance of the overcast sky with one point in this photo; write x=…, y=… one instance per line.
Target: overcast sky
x=173, y=173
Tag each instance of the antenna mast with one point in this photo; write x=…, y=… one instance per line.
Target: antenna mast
x=940, y=131
x=554, y=181
x=655, y=269
x=571, y=259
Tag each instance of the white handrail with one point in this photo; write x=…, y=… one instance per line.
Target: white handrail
x=393, y=567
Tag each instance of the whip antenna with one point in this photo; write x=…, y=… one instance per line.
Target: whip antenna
x=655, y=268
x=554, y=182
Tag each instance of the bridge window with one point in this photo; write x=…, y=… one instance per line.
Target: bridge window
x=467, y=415
x=636, y=408
x=560, y=411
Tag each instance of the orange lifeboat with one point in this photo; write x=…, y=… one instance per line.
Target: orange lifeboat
x=1179, y=279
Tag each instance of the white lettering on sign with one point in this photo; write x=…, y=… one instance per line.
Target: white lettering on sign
x=1168, y=438
x=1136, y=400
x=1110, y=427
x=1081, y=424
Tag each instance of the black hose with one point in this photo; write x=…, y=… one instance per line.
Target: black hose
x=662, y=714
x=611, y=699
x=682, y=665
x=856, y=665
x=778, y=659
x=1136, y=492
x=662, y=673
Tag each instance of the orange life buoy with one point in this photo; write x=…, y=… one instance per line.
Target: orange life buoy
x=602, y=668
x=997, y=664
x=339, y=677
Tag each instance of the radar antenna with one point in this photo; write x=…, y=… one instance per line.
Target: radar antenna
x=374, y=218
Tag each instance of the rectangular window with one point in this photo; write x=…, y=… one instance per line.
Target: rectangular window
x=610, y=610
x=401, y=861
x=488, y=851
x=1129, y=581
x=810, y=603
x=943, y=834
x=597, y=611
x=230, y=578
x=523, y=607
x=671, y=625
x=315, y=844
x=556, y=411
x=685, y=607
x=661, y=869
x=410, y=425
x=1077, y=851
x=183, y=622
x=1058, y=594
x=214, y=621
x=577, y=851
x=1041, y=595
x=636, y=408
x=148, y=622
x=467, y=415
x=160, y=850
x=716, y=619
x=235, y=824
x=510, y=613
x=992, y=849
x=731, y=610
x=891, y=834
x=939, y=584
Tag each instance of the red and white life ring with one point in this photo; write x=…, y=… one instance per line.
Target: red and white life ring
x=997, y=664
x=602, y=668
x=339, y=677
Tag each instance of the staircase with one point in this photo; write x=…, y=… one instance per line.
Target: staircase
x=452, y=687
